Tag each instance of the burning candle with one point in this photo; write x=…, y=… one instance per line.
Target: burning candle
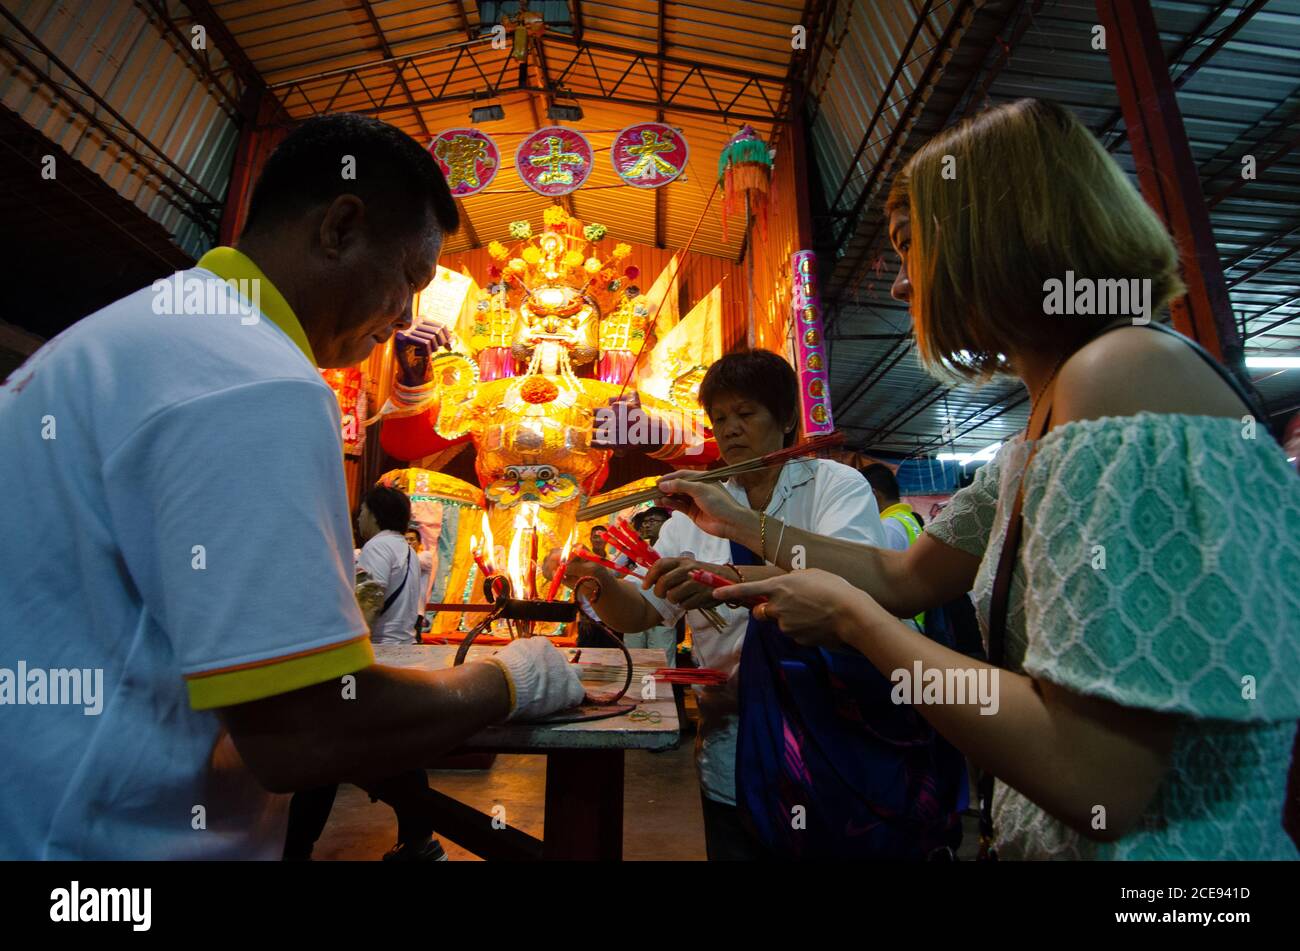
x=560, y=569
x=532, y=563
x=478, y=558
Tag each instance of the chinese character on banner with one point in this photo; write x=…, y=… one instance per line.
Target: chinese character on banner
x=649, y=154
x=554, y=161
x=468, y=158
x=349, y=385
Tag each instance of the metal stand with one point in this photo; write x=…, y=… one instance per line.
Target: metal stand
x=496, y=588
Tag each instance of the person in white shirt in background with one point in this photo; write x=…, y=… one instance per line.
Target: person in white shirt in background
x=752, y=401
x=647, y=524
x=590, y=633
x=428, y=558
x=902, y=525
x=387, y=558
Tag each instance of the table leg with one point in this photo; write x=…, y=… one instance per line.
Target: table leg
x=584, y=805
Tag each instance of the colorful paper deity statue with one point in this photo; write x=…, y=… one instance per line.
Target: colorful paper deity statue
x=539, y=354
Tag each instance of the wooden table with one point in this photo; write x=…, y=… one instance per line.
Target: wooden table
x=584, y=763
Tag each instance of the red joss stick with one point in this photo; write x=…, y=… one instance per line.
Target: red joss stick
x=585, y=555
x=704, y=676
x=617, y=536
x=717, y=581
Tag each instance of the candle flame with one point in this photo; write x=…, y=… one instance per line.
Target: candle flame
x=488, y=552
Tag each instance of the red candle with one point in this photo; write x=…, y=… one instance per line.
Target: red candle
x=532, y=565
x=478, y=559
x=557, y=579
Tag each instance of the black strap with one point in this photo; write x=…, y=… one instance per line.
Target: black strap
x=1244, y=393
x=388, y=601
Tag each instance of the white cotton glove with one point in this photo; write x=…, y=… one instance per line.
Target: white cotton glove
x=542, y=681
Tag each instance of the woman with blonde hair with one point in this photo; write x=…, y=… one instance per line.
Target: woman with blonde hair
x=1144, y=690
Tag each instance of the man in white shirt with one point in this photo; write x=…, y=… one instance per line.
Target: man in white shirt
x=180, y=457
x=428, y=561
x=647, y=524
x=388, y=559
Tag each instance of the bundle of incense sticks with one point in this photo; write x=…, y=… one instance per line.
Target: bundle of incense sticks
x=704, y=676
x=777, y=458
x=717, y=581
x=625, y=538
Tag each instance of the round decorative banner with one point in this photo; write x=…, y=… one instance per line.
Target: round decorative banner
x=649, y=154
x=554, y=161
x=468, y=158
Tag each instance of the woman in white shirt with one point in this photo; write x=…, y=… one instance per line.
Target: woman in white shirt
x=752, y=403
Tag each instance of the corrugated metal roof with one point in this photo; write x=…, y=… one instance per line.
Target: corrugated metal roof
x=1244, y=99
x=143, y=86
x=878, y=79
x=328, y=54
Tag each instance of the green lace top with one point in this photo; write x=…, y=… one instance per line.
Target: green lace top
x=1159, y=569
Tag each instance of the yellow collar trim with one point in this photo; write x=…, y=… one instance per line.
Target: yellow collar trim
x=232, y=265
x=898, y=508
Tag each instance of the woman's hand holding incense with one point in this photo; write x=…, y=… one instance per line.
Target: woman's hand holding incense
x=575, y=571
x=816, y=608
x=709, y=506
x=671, y=579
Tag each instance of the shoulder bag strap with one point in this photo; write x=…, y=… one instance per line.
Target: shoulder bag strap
x=999, y=600
x=388, y=602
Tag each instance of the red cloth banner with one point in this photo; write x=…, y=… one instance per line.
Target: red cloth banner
x=349, y=385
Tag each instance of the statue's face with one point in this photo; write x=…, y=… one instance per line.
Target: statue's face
x=560, y=314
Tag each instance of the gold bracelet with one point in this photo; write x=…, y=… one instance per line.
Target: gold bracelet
x=762, y=535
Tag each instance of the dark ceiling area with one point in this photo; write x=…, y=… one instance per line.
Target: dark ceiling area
x=70, y=243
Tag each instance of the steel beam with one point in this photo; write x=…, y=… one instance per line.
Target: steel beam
x=701, y=81
x=1167, y=173
x=156, y=12
x=195, y=206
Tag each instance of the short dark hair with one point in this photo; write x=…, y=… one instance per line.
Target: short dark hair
x=603, y=529
x=882, y=479
x=655, y=511
x=390, y=507
x=758, y=375
x=393, y=175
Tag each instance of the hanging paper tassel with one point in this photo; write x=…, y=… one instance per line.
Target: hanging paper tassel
x=745, y=170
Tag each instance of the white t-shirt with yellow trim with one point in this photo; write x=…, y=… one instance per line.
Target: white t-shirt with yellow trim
x=176, y=525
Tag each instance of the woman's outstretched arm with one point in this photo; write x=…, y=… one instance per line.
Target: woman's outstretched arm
x=904, y=583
